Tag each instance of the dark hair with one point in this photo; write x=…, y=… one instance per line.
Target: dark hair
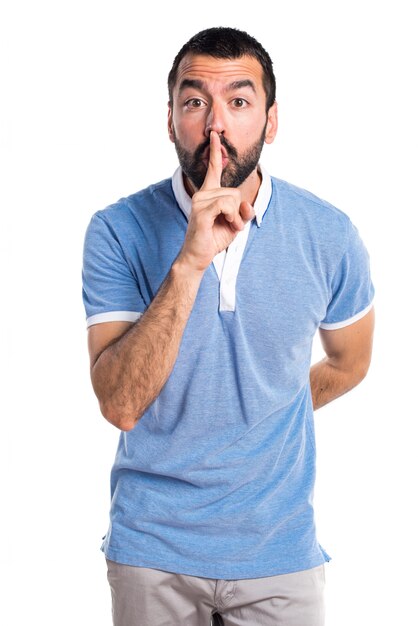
x=227, y=43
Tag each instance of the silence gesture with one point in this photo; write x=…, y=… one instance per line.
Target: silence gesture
x=218, y=214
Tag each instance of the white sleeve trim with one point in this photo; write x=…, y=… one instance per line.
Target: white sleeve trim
x=113, y=316
x=351, y=320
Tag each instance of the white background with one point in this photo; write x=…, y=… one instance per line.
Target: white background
x=84, y=124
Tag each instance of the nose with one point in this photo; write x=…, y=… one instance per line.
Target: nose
x=215, y=120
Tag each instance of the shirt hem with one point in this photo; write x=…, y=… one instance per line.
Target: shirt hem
x=113, y=316
x=347, y=322
x=222, y=573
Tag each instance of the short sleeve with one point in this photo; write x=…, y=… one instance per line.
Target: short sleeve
x=110, y=289
x=352, y=287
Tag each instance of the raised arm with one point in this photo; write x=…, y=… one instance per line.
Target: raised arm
x=131, y=363
x=348, y=353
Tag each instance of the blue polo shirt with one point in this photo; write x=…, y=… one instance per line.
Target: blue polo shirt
x=216, y=479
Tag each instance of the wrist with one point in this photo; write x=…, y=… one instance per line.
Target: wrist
x=183, y=268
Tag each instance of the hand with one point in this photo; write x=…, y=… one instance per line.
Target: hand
x=218, y=214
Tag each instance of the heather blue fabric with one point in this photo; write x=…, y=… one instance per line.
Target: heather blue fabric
x=216, y=479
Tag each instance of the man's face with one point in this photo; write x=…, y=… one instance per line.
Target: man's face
x=227, y=96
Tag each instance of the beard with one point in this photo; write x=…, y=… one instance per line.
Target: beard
x=237, y=169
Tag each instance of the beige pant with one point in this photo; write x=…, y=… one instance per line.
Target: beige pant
x=151, y=597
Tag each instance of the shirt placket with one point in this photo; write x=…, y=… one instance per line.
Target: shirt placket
x=228, y=282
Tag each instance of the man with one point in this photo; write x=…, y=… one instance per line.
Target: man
x=203, y=295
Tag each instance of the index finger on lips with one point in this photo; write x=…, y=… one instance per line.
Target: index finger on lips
x=214, y=171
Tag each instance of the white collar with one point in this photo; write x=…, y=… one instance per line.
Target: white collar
x=260, y=206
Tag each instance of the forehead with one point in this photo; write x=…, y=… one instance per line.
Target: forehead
x=210, y=69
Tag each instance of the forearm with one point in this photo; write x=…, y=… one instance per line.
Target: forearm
x=328, y=381
x=130, y=373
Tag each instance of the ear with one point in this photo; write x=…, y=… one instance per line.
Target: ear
x=170, y=123
x=272, y=123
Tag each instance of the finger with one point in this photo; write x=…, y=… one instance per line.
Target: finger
x=246, y=211
x=238, y=220
x=233, y=214
x=214, y=171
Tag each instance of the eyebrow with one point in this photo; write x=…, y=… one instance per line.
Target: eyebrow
x=198, y=84
x=190, y=82
x=239, y=84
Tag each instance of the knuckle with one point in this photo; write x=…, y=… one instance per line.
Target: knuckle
x=233, y=202
x=197, y=196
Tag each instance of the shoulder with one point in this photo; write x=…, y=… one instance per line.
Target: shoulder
x=134, y=214
x=311, y=213
x=142, y=201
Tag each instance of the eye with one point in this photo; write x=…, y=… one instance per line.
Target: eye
x=194, y=103
x=239, y=103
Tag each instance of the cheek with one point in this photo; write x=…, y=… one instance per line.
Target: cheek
x=246, y=136
x=249, y=127
x=190, y=133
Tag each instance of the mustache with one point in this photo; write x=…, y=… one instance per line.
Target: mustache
x=231, y=151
